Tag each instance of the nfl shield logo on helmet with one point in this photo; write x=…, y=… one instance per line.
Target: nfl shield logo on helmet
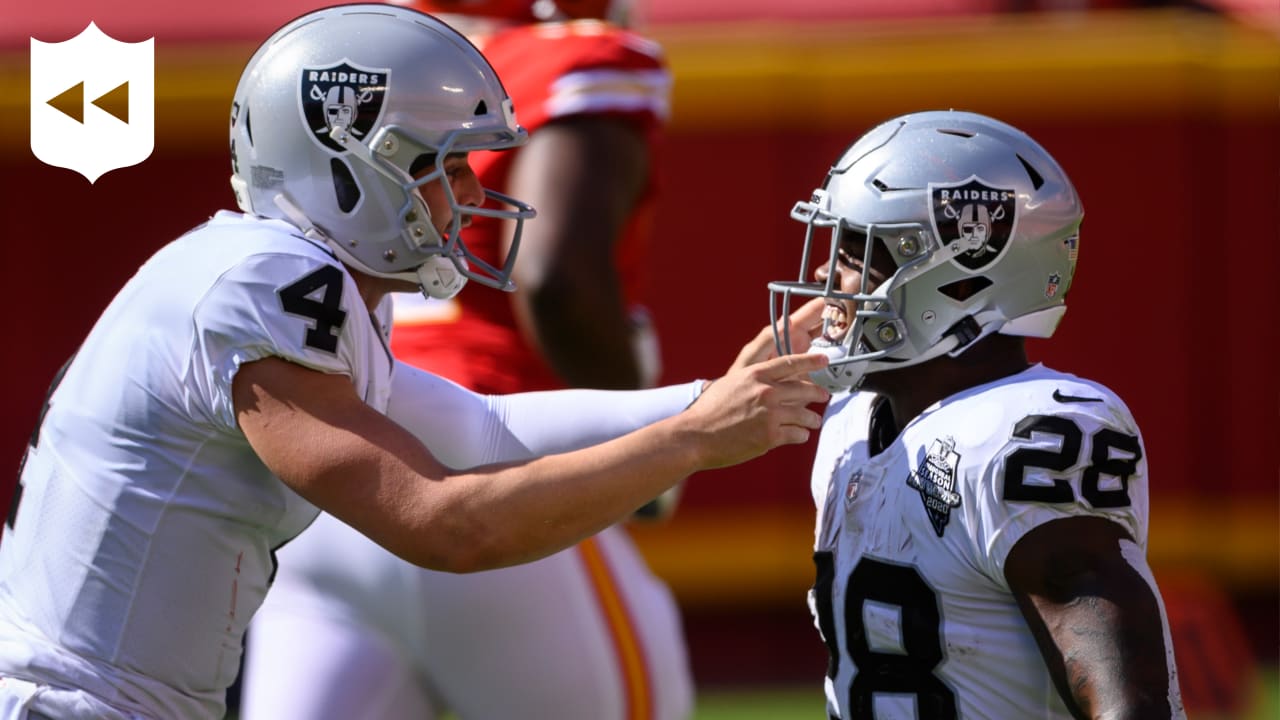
x=92, y=102
x=343, y=95
x=974, y=220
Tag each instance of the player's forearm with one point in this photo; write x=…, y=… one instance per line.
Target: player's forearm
x=373, y=474
x=464, y=429
x=1112, y=661
x=496, y=516
x=564, y=420
x=517, y=513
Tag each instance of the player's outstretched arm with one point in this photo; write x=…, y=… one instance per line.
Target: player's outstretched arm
x=463, y=428
x=317, y=435
x=1085, y=589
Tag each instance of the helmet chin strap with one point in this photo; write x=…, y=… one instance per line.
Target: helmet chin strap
x=840, y=373
x=439, y=277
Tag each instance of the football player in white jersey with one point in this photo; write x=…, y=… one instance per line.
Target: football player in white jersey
x=240, y=383
x=588, y=632
x=982, y=522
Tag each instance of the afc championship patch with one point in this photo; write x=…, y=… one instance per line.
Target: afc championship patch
x=936, y=481
x=342, y=95
x=974, y=220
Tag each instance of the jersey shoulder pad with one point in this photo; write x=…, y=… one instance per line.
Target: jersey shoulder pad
x=1041, y=446
x=289, y=300
x=589, y=43
x=289, y=304
x=1066, y=442
x=561, y=70
x=1042, y=391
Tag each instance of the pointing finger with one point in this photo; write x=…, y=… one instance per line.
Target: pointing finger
x=789, y=366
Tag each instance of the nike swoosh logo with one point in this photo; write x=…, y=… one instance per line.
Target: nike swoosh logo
x=1057, y=395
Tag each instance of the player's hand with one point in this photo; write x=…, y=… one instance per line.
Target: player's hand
x=806, y=324
x=756, y=408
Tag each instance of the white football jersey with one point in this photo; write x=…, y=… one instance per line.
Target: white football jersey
x=145, y=533
x=910, y=543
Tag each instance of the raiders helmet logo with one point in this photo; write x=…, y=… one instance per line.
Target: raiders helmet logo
x=974, y=220
x=342, y=95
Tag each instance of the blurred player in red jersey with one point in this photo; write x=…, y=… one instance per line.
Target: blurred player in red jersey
x=587, y=633
x=594, y=97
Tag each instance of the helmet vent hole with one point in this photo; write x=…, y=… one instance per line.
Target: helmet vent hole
x=962, y=290
x=344, y=185
x=957, y=133
x=883, y=186
x=248, y=126
x=481, y=108
x=1036, y=178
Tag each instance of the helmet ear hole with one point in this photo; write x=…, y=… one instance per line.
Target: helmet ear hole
x=344, y=185
x=962, y=290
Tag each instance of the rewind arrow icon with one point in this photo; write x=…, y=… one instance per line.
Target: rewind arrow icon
x=114, y=102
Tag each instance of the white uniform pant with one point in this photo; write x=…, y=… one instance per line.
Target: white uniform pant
x=585, y=634
x=27, y=700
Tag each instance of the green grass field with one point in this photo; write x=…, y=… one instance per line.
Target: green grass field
x=770, y=704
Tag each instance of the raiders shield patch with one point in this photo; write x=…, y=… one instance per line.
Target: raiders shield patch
x=342, y=95
x=974, y=220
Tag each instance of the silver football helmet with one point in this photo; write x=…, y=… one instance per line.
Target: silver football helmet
x=981, y=224
x=337, y=111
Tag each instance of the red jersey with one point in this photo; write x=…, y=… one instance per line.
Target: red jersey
x=551, y=71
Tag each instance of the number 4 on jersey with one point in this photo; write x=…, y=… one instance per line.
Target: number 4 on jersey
x=297, y=299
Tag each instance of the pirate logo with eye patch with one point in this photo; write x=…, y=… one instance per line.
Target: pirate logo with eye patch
x=342, y=95
x=974, y=220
